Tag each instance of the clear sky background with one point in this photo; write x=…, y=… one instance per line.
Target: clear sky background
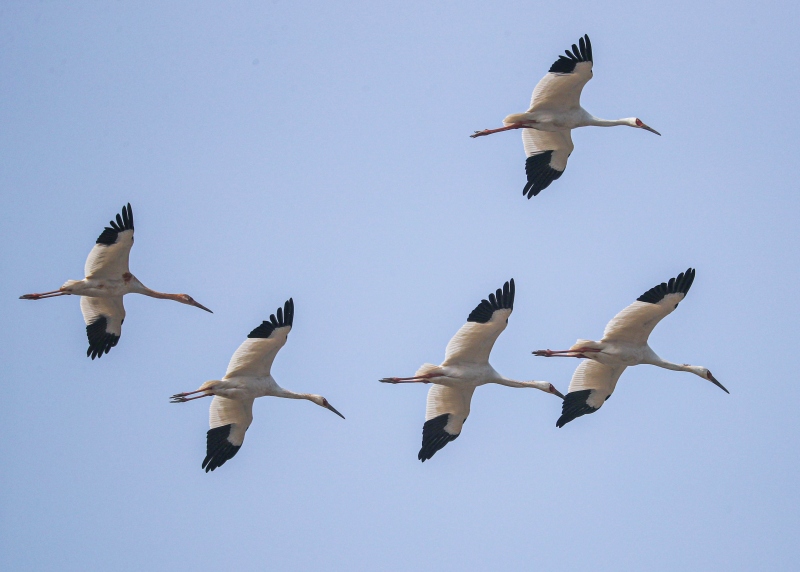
x=320, y=150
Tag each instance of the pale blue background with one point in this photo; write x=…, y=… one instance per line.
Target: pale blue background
x=320, y=150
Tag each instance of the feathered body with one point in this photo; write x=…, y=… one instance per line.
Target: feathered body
x=107, y=280
x=465, y=367
x=624, y=344
x=555, y=110
x=247, y=378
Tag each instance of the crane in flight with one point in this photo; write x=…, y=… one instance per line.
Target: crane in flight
x=554, y=112
x=107, y=280
x=248, y=377
x=624, y=344
x=465, y=367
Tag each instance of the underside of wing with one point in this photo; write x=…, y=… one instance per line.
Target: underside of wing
x=255, y=356
x=229, y=420
x=446, y=411
x=547, y=152
x=103, y=318
x=635, y=323
x=561, y=88
x=474, y=341
x=592, y=383
x=109, y=257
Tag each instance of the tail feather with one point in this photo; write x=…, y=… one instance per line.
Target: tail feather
x=209, y=384
x=515, y=118
x=586, y=344
x=427, y=368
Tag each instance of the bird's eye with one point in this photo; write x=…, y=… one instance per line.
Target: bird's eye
x=639, y=122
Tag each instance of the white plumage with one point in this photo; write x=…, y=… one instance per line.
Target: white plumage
x=558, y=142
x=554, y=111
x=624, y=344
x=248, y=376
x=474, y=341
x=236, y=412
x=465, y=367
x=110, y=261
x=107, y=280
x=109, y=312
x=451, y=401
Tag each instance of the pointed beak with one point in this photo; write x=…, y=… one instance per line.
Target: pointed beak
x=713, y=380
x=650, y=129
x=329, y=406
x=198, y=305
x=554, y=391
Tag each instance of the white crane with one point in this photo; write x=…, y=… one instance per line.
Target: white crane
x=107, y=280
x=465, y=367
x=554, y=112
x=624, y=344
x=248, y=377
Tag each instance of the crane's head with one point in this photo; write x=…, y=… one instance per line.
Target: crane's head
x=186, y=299
x=322, y=402
x=545, y=386
x=641, y=125
x=705, y=374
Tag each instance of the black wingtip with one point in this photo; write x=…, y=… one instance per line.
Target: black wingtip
x=539, y=172
x=678, y=285
x=434, y=437
x=100, y=341
x=122, y=222
x=502, y=299
x=127, y=216
x=218, y=449
x=284, y=317
x=574, y=406
x=581, y=52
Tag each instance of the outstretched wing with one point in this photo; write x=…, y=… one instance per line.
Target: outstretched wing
x=103, y=317
x=109, y=257
x=561, y=88
x=447, y=409
x=474, y=341
x=255, y=356
x=592, y=383
x=547, y=153
x=229, y=420
x=634, y=323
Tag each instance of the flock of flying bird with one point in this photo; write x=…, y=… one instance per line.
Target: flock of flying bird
x=554, y=111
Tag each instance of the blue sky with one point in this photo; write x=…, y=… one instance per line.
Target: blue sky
x=321, y=151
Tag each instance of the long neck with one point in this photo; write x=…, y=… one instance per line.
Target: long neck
x=597, y=122
x=673, y=366
x=140, y=288
x=543, y=385
x=281, y=392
